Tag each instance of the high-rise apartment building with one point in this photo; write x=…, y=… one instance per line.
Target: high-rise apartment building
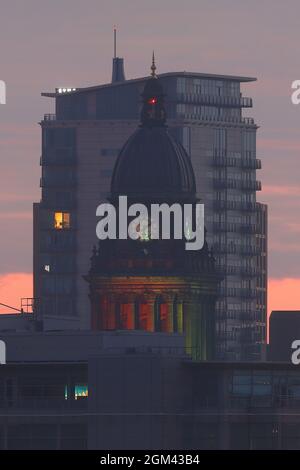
x=80, y=144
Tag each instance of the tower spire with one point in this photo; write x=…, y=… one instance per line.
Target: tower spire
x=153, y=112
x=153, y=67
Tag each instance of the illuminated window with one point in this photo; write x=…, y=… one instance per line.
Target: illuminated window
x=81, y=391
x=61, y=220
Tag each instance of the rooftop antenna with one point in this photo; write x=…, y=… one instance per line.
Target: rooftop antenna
x=115, y=41
x=118, y=74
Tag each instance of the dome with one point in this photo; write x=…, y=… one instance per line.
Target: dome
x=152, y=164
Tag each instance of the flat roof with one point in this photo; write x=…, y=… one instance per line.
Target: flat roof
x=243, y=365
x=235, y=78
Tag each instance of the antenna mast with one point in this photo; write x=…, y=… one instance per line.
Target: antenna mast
x=115, y=42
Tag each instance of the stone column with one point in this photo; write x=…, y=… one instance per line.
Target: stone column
x=169, y=299
x=180, y=314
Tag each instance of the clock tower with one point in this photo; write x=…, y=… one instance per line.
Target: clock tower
x=155, y=285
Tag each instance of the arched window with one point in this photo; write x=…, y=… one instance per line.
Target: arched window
x=106, y=320
x=160, y=314
x=124, y=314
x=175, y=315
x=141, y=315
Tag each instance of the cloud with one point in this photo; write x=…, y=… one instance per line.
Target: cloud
x=284, y=294
x=279, y=144
x=16, y=215
x=276, y=190
x=13, y=287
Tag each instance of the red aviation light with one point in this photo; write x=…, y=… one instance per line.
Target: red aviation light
x=152, y=100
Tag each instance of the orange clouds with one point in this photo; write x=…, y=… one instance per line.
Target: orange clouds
x=284, y=294
x=13, y=286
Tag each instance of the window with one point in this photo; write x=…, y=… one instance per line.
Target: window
x=81, y=391
x=61, y=220
x=181, y=110
x=181, y=85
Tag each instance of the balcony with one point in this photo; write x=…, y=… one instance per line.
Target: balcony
x=223, y=183
x=245, y=271
x=225, y=162
x=251, y=164
x=249, y=206
x=244, y=293
x=248, y=293
x=227, y=314
x=225, y=227
x=249, y=228
x=229, y=183
x=250, y=250
x=223, y=248
x=215, y=100
x=221, y=205
x=247, y=164
x=222, y=313
x=227, y=335
x=251, y=185
x=49, y=117
x=248, y=271
x=228, y=269
x=249, y=121
x=226, y=205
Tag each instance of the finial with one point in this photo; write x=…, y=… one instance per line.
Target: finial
x=153, y=67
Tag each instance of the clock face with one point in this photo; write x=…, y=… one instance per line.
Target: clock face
x=147, y=230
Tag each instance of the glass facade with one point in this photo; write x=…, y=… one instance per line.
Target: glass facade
x=55, y=260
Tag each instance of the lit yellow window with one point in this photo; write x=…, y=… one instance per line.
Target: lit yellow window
x=61, y=220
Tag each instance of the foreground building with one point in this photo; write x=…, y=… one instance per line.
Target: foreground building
x=283, y=331
x=81, y=142
x=139, y=390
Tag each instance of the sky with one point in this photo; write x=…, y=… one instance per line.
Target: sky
x=50, y=43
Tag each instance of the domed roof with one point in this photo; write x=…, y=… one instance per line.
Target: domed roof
x=152, y=164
